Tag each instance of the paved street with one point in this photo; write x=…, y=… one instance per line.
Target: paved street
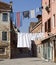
x=25, y=61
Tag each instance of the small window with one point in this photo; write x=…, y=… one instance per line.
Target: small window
x=5, y=17
x=49, y=25
x=53, y=21
x=49, y=3
x=4, y=36
x=2, y=50
x=45, y=26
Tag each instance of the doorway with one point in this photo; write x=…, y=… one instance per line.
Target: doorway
x=33, y=49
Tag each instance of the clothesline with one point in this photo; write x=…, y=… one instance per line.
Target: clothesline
x=28, y=10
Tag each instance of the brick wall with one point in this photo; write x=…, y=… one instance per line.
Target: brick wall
x=46, y=15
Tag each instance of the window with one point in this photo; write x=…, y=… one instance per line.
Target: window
x=5, y=17
x=2, y=50
x=4, y=36
x=54, y=20
x=49, y=3
x=45, y=26
x=48, y=26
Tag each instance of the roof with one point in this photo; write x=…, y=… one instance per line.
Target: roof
x=4, y=6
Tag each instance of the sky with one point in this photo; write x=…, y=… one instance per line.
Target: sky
x=25, y=5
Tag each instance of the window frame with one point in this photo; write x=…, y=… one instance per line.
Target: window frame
x=4, y=20
x=48, y=25
x=3, y=39
x=49, y=3
x=45, y=26
x=54, y=20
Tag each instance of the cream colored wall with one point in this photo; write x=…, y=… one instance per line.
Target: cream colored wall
x=5, y=26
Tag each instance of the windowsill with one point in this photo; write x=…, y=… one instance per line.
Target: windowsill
x=4, y=42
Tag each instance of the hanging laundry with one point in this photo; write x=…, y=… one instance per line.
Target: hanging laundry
x=26, y=14
x=11, y=16
x=21, y=19
x=24, y=39
x=37, y=10
x=18, y=19
x=32, y=13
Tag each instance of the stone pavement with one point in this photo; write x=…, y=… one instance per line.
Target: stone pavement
x=25, y=61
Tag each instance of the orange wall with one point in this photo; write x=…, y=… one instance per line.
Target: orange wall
x=46, y=16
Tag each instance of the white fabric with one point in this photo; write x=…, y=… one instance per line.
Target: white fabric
x=32, y=13
x=37, y=10
x=24, y=39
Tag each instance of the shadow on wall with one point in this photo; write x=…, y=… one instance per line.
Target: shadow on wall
x=21, y=53
x=24, y=52
x=33, y=49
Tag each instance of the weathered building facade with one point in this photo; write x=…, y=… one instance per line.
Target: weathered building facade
x=49, y=28
x=47, y=47
x=7, y=32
